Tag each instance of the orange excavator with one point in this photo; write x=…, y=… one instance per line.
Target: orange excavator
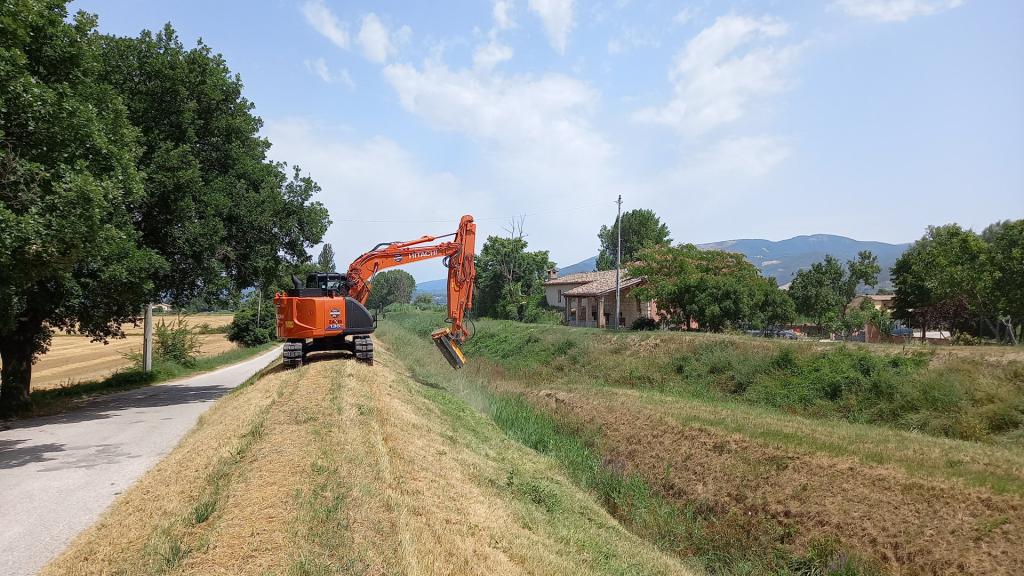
x=329, y=311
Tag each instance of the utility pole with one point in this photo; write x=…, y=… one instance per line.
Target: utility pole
x=618, y=258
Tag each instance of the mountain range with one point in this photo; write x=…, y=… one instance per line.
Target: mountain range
x=779, y=259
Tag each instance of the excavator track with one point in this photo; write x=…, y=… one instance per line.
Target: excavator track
x=293, y=354
x=363, y=348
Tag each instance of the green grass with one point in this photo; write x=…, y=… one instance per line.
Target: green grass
x=964, y=398
x=55, y=400
x=720, y=542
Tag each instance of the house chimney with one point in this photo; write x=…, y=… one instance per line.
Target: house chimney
x=552, y=273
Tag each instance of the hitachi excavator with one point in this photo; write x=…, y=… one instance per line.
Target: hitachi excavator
x=329, y=311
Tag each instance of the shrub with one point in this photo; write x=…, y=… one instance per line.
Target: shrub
x=245, y=330
x=644, y=324
x=176, y=342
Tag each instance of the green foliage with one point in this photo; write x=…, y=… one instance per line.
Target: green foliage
x=325, y=262
x=720, y=290
x=942, y=280
x=823, y=292
x=720, y=542
x=391, y=287
x=425, y=302
x=176, y=341
x=254, y=325
x=960, y=398
x=641, y=229
x=86, y=240
x=510, y=280
x=70, y=258
x=1006, y=268
x=644, y=324
x=216, y=208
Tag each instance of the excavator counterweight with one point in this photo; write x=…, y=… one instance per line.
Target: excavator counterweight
x=329, y=311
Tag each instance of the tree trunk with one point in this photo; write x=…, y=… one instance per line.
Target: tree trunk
x=16, y=375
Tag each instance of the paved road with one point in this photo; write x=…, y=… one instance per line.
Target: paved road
x=59, y=473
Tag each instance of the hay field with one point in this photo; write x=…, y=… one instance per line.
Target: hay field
x=74, y=359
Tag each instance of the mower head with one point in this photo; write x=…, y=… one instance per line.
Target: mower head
x=449, y=344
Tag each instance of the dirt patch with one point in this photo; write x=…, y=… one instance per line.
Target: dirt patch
x=909, y=525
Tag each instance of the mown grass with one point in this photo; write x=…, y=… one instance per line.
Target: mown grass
x=722, y=543
x=54, y=400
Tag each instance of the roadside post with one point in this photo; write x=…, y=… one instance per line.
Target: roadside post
x=147, y=340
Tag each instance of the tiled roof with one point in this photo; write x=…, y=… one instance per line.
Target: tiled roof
x=579, y=278
x=594, y=283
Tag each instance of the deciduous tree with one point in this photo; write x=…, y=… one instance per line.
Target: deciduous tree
x=87, y=239
x=391, y=287
x=718, y=289
x=510, y=280
x=641, y=228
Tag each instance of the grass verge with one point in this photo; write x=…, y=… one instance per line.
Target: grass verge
x=55, y=400
x=717, y=541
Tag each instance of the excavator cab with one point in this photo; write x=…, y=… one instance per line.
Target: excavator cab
x=328, y=282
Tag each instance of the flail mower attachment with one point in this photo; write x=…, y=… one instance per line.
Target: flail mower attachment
x=448, y=343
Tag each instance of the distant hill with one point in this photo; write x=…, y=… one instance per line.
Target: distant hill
x=588, y=265
x=436, y=288
x=784, y=258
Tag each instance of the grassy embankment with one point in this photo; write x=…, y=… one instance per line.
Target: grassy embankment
x=756, y=455
x=343, y=468
x=53, y=400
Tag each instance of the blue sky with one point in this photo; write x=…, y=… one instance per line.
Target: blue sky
x=744, y=119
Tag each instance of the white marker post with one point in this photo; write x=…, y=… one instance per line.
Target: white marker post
x=147, y=340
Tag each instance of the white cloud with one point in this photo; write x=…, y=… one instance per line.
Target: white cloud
x=320, y=17
x=629, y=39
x=721, y=71
x=895, y=10
x=749, y=156
x=377, y=41
x=684, y=16
x=502, y=11
x=534, y=144
x=370, y=180
x=556, y=15
x=487, y=56
x=320, y=68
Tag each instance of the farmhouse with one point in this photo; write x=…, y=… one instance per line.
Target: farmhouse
x=588, y=298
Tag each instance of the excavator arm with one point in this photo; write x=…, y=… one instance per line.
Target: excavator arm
x=458, y=254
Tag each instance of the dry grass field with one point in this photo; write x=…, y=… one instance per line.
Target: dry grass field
x=343, y=468
x=74, y=359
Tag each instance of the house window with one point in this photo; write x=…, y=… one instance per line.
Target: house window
x=559, y=296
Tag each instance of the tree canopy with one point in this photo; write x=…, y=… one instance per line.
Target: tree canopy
x=510, y=280
x=390, y=287
x=717, y=289
x=641, y=228
x=952, y=278
x=824, y=291
x=132, y=171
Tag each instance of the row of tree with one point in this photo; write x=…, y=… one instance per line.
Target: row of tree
x=131, y=171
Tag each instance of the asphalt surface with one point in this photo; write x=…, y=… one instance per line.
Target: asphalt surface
x=59, y=473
